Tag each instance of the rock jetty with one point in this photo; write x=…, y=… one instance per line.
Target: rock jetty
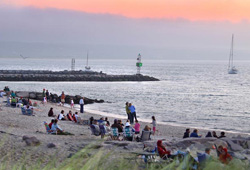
x=56, y=98
x=46, y=75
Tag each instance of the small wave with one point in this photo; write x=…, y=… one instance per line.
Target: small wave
x=218, y=95
x=172, y=121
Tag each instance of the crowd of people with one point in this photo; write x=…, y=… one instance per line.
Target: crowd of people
x=102, y=126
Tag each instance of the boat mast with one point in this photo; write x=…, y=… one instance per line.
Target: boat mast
x=232, y=50
x=230, y=63
x=87, y=58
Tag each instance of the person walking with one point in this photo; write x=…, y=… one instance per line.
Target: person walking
x=81, y=102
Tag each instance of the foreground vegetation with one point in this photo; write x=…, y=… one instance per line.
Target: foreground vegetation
x=93, y=157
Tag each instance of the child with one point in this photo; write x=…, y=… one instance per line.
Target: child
x=137, y=127
x=72, y=103
x=154, y=124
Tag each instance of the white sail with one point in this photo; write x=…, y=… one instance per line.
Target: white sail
x=87, y=67
x=231, y=67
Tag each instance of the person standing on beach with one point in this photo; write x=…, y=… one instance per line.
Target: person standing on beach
x=132, y=113
x=127, y=110
x=154, y=124
x=81, y=102
x=72, y=103
x=47, y=95
x=43, y=94
x=62, y=98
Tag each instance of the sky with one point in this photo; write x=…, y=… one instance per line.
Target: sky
x=162, y=29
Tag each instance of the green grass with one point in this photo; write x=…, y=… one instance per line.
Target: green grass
x=94, y=158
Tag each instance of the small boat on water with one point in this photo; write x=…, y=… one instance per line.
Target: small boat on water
x=231, y=67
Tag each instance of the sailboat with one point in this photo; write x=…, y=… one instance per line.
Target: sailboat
x=231, y=67
x=87, y=67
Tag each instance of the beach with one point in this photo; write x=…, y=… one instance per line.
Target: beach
x=14, y=125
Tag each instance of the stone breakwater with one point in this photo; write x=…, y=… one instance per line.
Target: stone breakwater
x=39, y=96
x=45, y=75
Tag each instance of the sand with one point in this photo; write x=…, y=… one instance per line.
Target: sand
x=14, y=126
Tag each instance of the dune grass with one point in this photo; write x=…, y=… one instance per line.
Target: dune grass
x=93, y=157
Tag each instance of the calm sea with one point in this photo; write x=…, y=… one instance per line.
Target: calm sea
x=190, y=93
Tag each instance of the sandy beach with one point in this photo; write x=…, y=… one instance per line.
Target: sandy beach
x=14, y=126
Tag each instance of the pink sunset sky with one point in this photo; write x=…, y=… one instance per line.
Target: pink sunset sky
x=216, y=10
x=165, y=29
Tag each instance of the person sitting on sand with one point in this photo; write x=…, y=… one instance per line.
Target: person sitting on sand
x=13, y=94
x=163, y=152
x=222, y=135
x=55, y=128
x=128, y=132
x=51, y=113
x=91, y=119
x=195, y=134
x=13, y=102
x=203, y=158
x=50, y=124
x=137, y=127
x=61, y=116
x=186, y=134
x=20, y=102
x=147, y=128
x=107, y=121
x=224, y=156
x=120, y=122
x=214, y=134
x=95, y=128
x=69, y=116
x=117, y=125
x=75, y=117
x=25, y=102
x=209, y=134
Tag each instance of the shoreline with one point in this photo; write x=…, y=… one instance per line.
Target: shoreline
x=147, y=121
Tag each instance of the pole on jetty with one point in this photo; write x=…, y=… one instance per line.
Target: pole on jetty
x=138, y=64
x=73, y=64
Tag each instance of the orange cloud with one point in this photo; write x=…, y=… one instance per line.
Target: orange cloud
x=233, y=10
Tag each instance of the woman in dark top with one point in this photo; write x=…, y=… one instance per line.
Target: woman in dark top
x=209, y=134
x=51, y=113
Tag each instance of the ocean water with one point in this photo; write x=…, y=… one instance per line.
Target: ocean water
x=191, y=93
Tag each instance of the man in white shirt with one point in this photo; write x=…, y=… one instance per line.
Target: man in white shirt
x=81, y=102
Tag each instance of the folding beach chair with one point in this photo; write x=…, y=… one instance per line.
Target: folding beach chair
x=29, y=112
x=49, y=131
x=128, y=134
x=23, y=111
x=145, y=135
x=114, y=134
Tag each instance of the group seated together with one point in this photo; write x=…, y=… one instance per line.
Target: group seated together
x=12, y=100
x=199, y=161
x=119, y=131
x=195, y=134
x=69, y=116
x=53, y=128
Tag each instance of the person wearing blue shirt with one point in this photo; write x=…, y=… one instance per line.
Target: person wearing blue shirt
x=195, y=134
x=132, y=113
